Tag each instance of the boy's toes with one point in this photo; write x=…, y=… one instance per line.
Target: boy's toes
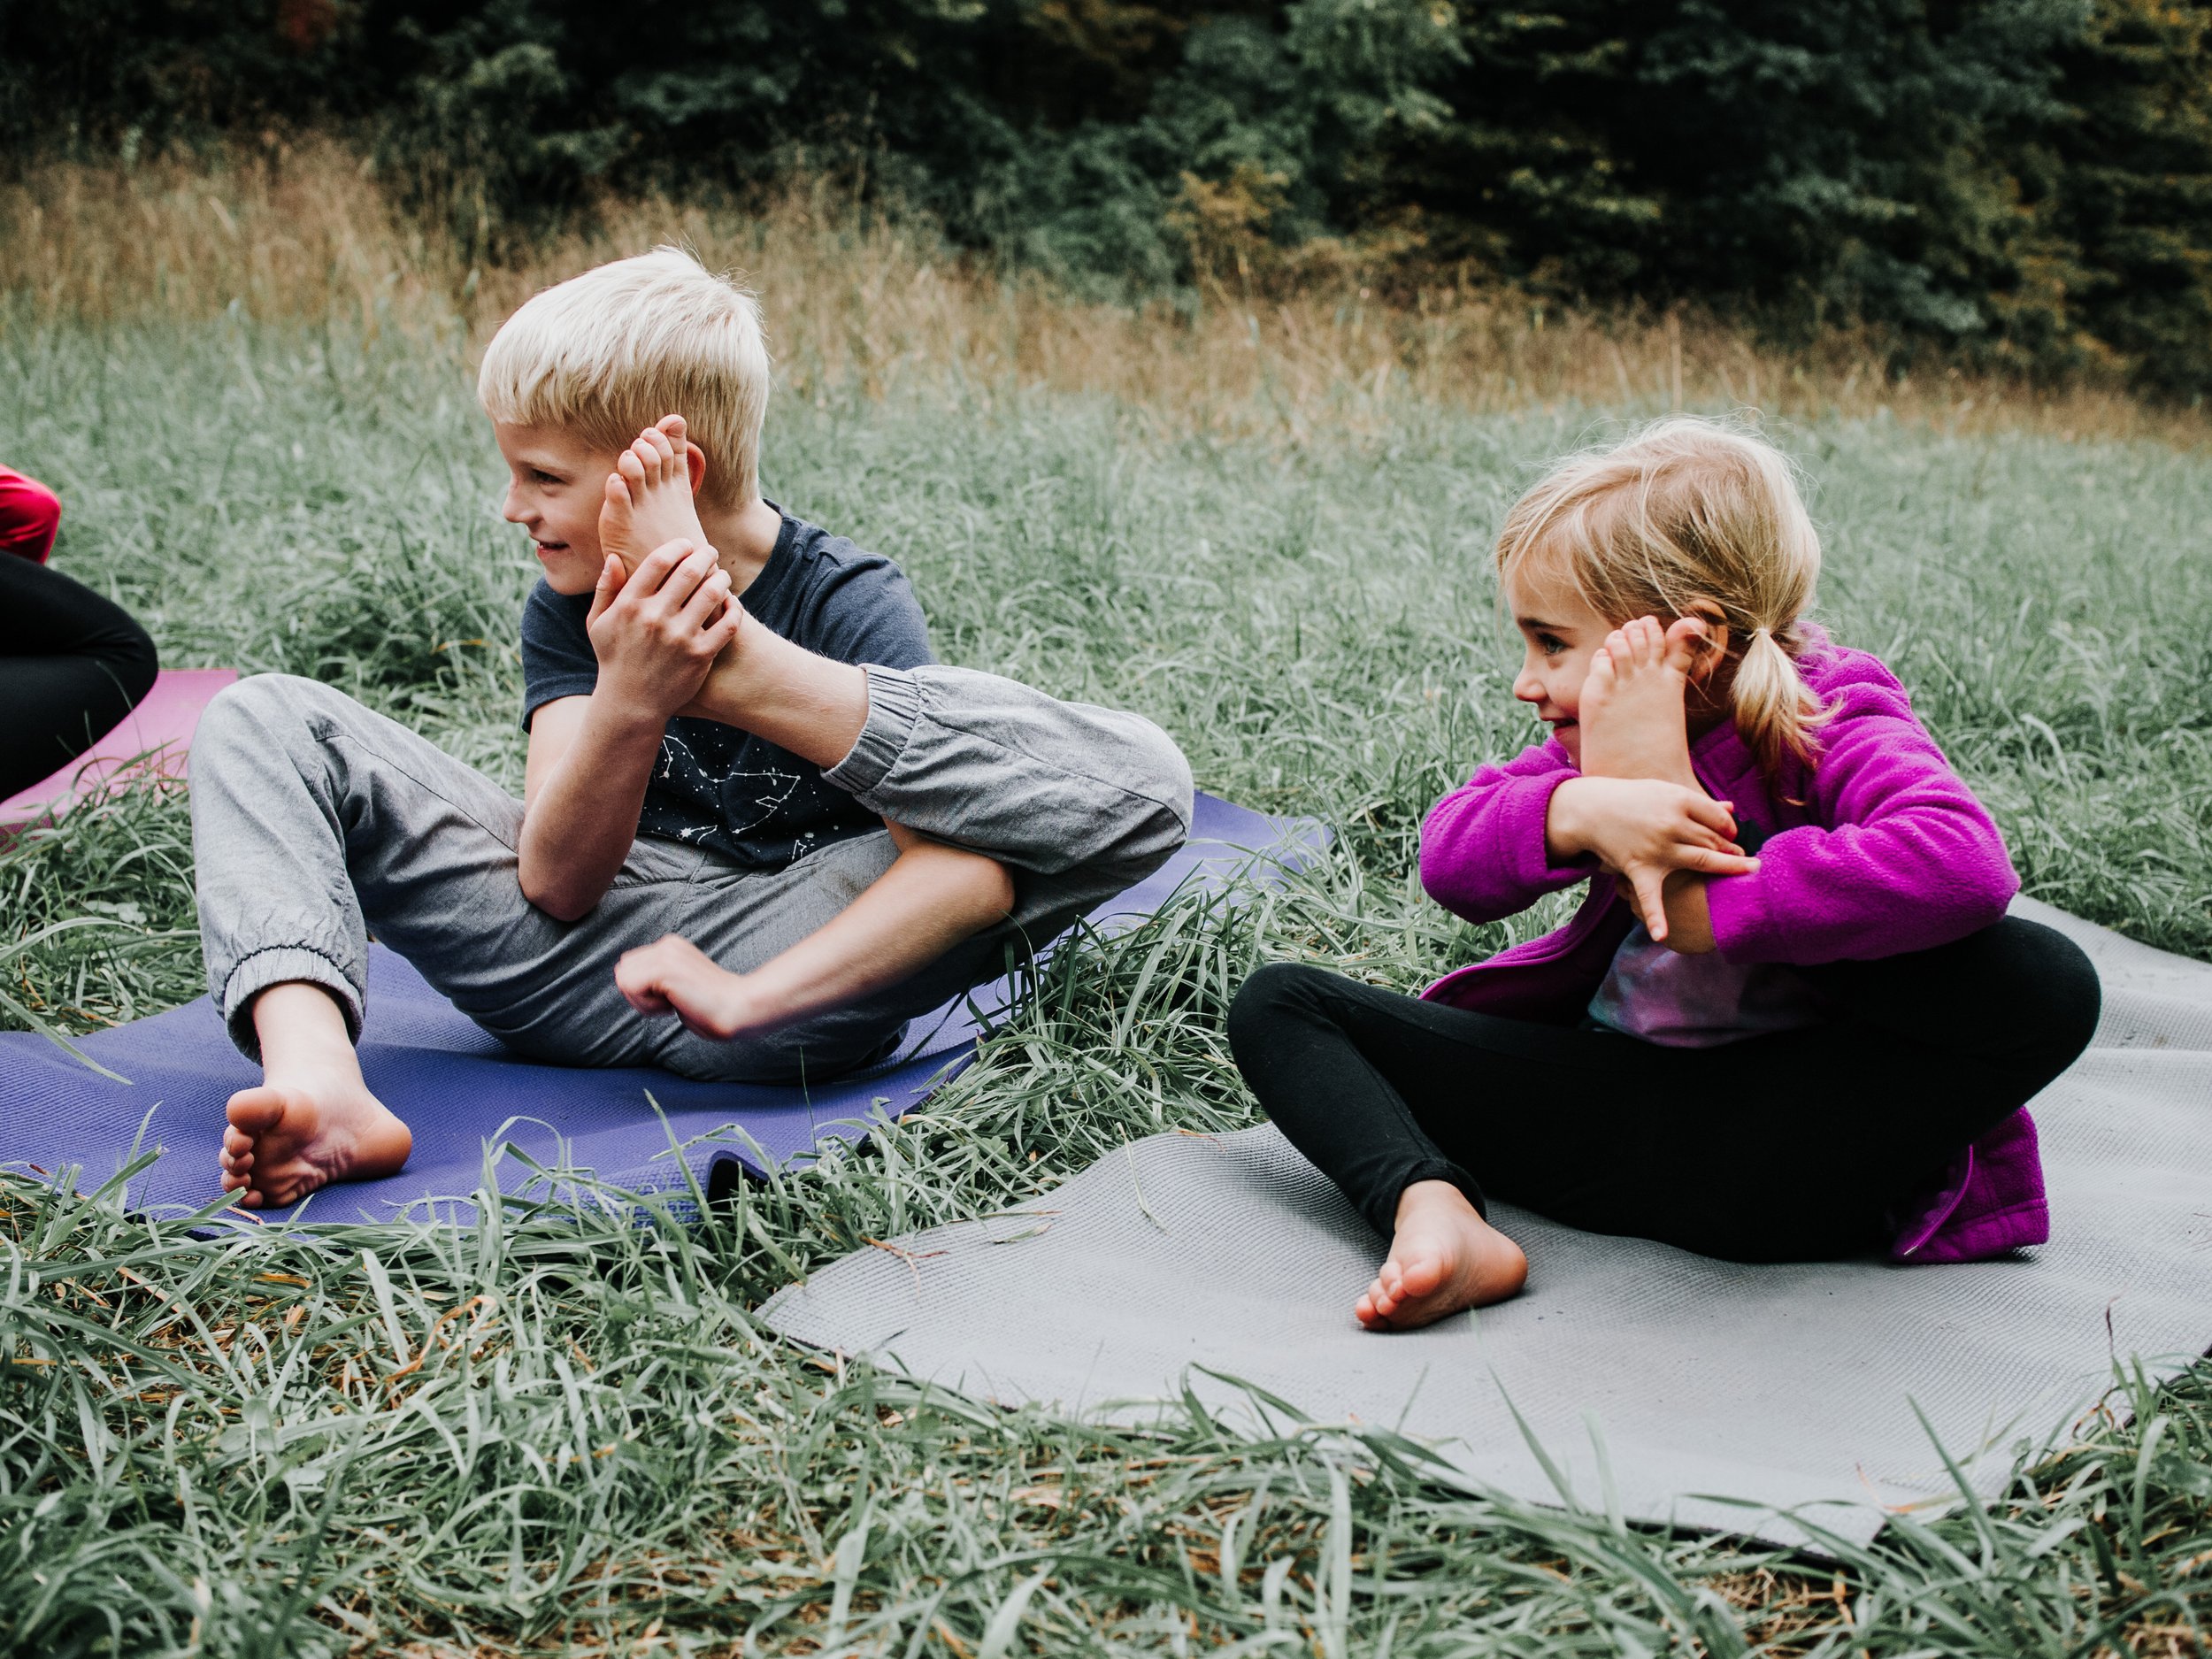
x=651, y=450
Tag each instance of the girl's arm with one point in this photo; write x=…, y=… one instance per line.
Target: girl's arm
x=1484, y=851
x=1912, y=860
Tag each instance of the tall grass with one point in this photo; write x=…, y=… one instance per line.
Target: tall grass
x=306, y=232
x=558, y=1433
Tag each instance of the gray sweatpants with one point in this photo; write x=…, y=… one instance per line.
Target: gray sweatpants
x=315, y=823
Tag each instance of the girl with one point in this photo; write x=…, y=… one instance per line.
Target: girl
x=72, y=663
x=1791, y=1020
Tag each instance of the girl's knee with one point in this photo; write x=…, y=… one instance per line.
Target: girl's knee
x=1271, y=992
x=2036, y=996
x=2061, y=998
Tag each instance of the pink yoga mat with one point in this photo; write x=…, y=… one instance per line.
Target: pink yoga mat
x=161, y=726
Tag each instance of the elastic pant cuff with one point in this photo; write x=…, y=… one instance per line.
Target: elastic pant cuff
x=281, y=965
x=894, y=704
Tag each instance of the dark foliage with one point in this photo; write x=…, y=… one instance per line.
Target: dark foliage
x=2025, y=182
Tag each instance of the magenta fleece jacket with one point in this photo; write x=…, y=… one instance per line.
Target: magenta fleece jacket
x=1878, y=849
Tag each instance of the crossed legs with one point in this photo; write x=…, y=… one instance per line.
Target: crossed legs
x=1788, y=1147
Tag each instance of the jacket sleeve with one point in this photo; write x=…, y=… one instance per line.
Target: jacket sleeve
x=1482, y=846
x=1912, y=860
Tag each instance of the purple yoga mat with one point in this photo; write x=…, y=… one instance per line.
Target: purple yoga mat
x=467, y=1098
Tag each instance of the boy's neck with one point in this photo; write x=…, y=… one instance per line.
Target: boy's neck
x=745, y=539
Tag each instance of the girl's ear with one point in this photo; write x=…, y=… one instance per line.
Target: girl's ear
x=1704, y=637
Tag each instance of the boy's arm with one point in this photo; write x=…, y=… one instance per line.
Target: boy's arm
x=655, y=634
x=583, y=787
x=931, y=898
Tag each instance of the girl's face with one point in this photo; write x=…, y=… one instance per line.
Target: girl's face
x=1560, y=633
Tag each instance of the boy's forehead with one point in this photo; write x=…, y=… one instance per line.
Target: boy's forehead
x=519, y=442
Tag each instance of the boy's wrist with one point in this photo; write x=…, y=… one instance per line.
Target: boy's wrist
x=621, y=721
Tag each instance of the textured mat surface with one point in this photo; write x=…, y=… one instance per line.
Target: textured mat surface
x=1696, y=1381
x=161, y=727
x=461, y=1091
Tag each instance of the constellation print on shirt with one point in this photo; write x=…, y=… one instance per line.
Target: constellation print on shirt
x=684, y=771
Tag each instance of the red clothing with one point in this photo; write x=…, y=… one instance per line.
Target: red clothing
x=29, y=515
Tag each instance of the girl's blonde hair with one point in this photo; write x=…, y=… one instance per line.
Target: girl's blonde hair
x=1689, y=518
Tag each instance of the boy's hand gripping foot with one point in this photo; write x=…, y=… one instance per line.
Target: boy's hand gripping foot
x=1634, y=721
x=313, y=1121
x=1444, y=1258
x=648, y=501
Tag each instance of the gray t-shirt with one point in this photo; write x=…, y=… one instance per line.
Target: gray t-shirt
x=760, y=806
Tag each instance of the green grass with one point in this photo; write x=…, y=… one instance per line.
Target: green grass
x=558, y=1435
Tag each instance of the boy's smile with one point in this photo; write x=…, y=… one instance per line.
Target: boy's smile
x=556, y=485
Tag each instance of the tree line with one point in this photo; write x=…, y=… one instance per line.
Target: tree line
x=2025, y=183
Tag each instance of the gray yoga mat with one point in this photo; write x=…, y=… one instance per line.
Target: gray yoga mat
x=1683, y=1390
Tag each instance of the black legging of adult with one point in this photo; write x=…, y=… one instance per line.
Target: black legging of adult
x=72, y=666
x=1788, y=1147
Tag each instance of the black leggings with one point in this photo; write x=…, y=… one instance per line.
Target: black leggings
x=72, y=666
x=1787, y=1147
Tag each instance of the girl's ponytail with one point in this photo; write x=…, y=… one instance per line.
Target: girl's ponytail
x=1774, y=709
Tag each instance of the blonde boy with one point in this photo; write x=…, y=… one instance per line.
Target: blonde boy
x=753, y=801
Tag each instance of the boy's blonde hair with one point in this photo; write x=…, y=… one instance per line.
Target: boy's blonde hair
x=606, y=353
x=1689, y=518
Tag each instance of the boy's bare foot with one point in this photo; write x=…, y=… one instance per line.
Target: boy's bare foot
x=285, y=1139
x=649, y=498
x=1444, y=1257
x=1634, y=721
x=312, y=1120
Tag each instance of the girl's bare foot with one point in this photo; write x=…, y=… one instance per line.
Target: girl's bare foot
x=312, y=1120
x=1444, y=1257
x=1634, y=721
x=649, y=498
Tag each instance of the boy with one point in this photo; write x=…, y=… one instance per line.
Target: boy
x=740, y=749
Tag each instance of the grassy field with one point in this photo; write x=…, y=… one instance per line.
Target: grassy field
x=546, y=1438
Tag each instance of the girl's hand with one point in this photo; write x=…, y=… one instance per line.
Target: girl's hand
x=1644, y=830
x=673, y=976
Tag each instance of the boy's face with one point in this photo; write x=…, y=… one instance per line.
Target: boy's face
x=557, y=484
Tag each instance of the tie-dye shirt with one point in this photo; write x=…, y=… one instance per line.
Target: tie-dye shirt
x=1701, y=1002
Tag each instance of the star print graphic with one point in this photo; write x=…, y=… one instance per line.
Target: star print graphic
x=760, y=794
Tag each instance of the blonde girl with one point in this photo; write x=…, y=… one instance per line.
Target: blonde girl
x=1790, y=1020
